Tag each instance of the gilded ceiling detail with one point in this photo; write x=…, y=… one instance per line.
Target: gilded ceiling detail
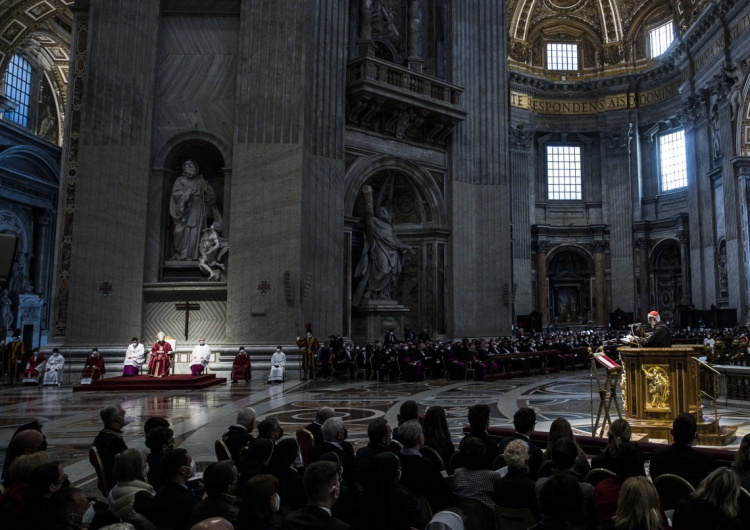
x=40, y=29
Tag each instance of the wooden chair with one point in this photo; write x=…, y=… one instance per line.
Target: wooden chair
x=470, y=368
x=394, y=446
x=306, y=440
x=359, y=369
x=596, y=475
x=96, y=462
x=221, y=450
x=455, y=462
x=477, y=515
x=498, y=462
x=423, y=505
x=431, y=454
x=373, y=371
x=513, y=518
x=671, y=489
x=546, y=469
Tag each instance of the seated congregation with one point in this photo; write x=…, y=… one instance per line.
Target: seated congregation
x=408, y=477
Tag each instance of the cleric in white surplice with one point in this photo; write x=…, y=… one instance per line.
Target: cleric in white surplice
x=278, y=361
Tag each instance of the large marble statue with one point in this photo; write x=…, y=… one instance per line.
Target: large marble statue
x=380, y=265
x=5, y=311
x=191, y=201
x=20, y=283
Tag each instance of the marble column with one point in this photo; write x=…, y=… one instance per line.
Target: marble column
x=481, y=238
x=365, y=44
x=599, y=284
x=542, y=286
x=684, y=238
x=642, y=244
x=742, y=171
x=618, y=194
x=42, y=253
x=416, y=24
x=522, y=190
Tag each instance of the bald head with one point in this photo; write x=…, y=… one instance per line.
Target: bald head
x=323, y=414
x=215, y=523
x=28, y=442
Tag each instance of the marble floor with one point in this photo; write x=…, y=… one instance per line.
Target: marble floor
x=71, y=420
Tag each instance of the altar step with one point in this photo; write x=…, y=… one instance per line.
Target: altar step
x=144, y=382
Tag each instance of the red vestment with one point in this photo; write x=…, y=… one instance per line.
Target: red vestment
x=32, y=366
x=158, y=366
x=241, y=367
x=94, y=367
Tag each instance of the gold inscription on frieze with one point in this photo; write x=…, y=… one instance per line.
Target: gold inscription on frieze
x=583, y=107
x=740, y=27
x=714, y=48
x=659, y=386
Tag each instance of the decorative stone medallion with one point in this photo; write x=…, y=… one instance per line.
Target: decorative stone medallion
x=263, y=287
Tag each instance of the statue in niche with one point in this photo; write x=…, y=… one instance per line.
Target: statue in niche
x=383, y=16
x=213, y=248
x=191, y=200
x=6, y=315
x=716, y=140
x=735, y=76
x=19, y=282
x=380, y=265
x=721, y=261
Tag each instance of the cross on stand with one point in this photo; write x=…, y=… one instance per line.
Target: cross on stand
x=187, y=307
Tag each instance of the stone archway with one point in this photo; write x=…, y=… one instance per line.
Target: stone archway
x=667, y=291
x=417, y=209
x=570, y=272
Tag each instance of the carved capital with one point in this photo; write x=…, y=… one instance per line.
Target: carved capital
x=520, y=137
x=519, y=51
x=541, y=247
x=599, y=246
x=617, y=139
x=694, y=108
x=683, y=236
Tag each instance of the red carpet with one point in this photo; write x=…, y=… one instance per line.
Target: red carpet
x=144, y=382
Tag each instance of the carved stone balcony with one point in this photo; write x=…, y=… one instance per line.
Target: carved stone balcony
x=395, y=101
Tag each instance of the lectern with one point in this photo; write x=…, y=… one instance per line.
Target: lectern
x=660, y=383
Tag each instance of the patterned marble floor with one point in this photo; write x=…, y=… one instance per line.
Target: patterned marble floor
x=199, y=417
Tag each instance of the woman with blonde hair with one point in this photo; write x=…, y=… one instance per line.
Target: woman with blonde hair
x=619, y=433
x=561, y=428
x=132, y=495
x=516, y=489
x=638, y=506
x=713, y=505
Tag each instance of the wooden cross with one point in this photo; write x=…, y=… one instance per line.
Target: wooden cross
x=187, y=307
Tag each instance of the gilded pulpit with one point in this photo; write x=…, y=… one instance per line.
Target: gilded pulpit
x=660, y=383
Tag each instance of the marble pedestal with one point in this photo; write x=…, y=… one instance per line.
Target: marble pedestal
x=374, y=318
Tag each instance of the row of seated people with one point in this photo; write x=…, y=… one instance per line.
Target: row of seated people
x=452, y=360
x=365, y=481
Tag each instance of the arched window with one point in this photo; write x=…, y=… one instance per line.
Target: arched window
x=18, y=89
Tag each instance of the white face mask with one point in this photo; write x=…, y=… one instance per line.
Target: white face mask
x=398, y=477
x=88, y=516
x=127, y=420
x=146, y=470
x=192, y=469
x=276, y=502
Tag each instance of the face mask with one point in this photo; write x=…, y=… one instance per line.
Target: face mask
x=126, y=420
x=65, y=483
x=192, y=469
x=135, y=344
x=276, y=502
x=146, y=470
x=398, y=477
x=88, y=516
x=281, y=433
x=202, y=343
x=43, y=445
